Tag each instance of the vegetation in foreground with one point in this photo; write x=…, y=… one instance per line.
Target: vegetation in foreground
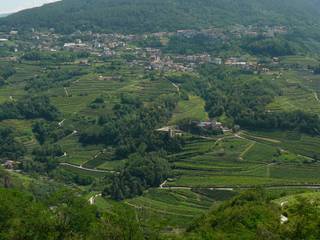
x=64, y=215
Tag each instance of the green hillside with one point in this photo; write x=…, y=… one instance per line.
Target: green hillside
x=152, y=15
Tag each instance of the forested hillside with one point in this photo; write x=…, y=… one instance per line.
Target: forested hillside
x=152, y=15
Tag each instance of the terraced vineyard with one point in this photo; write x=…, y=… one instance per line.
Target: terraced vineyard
x=244, y=160
x=299, y=92
x=171, y=210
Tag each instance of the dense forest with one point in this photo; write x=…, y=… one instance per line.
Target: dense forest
x=10, y=148
x=140, y=173
x=168, y=15
x=29, y=108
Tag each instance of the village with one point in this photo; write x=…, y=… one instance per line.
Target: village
x=102, y=46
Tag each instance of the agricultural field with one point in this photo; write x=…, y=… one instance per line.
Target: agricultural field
x=245, y=160
x=300, y=91
x=303, y=61
x=193, y=108
x=250, y=158
x=173, y=210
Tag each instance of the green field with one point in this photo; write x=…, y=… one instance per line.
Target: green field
x=192, y=109
x=299, y=92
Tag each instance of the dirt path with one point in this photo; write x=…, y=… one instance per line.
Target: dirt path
x=66, y=91
x=61, y=123
x=92, y=200
x=247, y=150
x=162, y=184
x=268, y=140
x=87, y=169
x=259, y=138
x=316, y=97
x=189, y=188
x=306, y=186
x=95, y=156
x=176, y=86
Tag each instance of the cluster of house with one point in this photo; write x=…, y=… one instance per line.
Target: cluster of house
x=6, y=37
x=174, y=131
x=109, y=45
x=95, y=48
x=199, y=59
x=210, y=125
x=167, y=64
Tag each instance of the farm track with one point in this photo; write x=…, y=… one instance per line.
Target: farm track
x=233, y=188
x=316, y=97
x=87, y=169
x=92, y=200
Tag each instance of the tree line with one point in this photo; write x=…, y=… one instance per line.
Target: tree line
x=29, y=108
x=132, y=127
x=142, y=171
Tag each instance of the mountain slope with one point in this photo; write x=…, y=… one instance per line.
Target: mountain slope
x=4, y=15
x=164, y=15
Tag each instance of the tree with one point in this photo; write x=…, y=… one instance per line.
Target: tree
x=9, y=146
x=140, y=172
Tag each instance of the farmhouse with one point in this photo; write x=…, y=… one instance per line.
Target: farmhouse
x=171, y=131
x=209, y=125
x=235, y=62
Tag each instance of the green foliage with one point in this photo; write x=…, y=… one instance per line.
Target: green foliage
x=6, y=71
x=53, y=57
x=133, y=125
x=199, y=43
x=271, y=47
x=245, y=102
x=140, y=172
x=61, y=216
x=29, y=108
x=252, y=216
x=52, y=79
x=49, y=132
x=316, y=70
x=9, y=146
x=168, y=15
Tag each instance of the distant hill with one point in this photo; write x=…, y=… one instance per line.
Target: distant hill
x=4, y=15
x=136, y=16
